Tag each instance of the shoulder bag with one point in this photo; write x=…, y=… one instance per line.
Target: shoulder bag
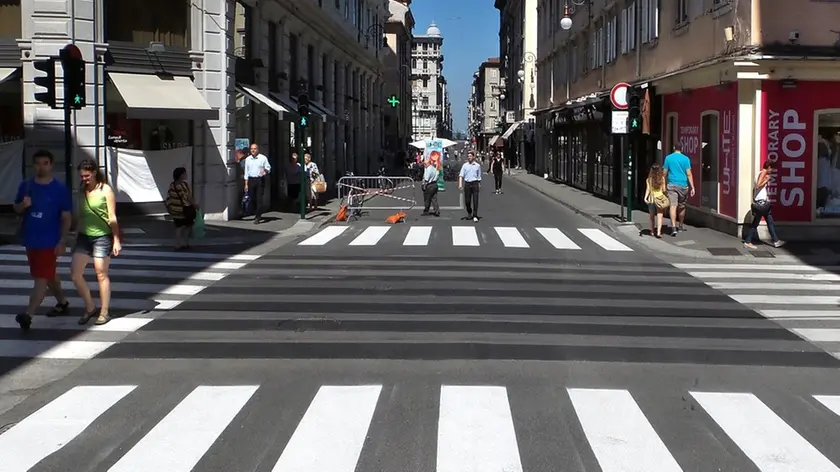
x=21, y=227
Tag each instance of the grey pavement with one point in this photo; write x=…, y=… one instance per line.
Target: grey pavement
x=695, y=243
x=492, y=357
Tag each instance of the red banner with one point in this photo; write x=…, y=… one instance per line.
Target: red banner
x=788, y=138
x=689, y=108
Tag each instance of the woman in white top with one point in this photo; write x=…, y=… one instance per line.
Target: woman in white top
x=761, y=208
x=312, y=171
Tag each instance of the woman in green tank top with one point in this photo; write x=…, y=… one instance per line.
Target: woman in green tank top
x=98, y=238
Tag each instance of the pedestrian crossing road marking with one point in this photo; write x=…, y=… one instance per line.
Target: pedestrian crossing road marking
x=462, y=236
x=143, y=282
x=476, y=429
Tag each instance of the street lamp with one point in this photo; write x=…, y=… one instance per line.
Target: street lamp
x=566, y=21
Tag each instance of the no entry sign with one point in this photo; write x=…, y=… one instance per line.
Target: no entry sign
x=618, y=95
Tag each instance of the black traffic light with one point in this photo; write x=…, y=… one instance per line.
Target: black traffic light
x=634, y=109
x=74, y=76
x=303, y=108
x=47, y=81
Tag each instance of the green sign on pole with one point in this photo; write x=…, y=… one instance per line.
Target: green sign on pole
x=441, y=183
x=394, y=101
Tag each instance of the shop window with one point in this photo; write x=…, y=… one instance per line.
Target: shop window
x=10, y=19
x=710, y=158
x=142, y=135
x=144, y=22
x=11, y=111
x=828, y=165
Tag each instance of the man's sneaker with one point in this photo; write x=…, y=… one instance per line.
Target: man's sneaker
x=778, y=243
x=475, y=219
x=24, y=320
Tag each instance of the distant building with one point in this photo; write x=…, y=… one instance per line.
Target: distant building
x=429, y=95
x=484, y=107
x=397, y=61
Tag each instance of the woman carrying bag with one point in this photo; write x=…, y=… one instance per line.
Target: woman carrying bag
x=761, y=208
x=656, y=199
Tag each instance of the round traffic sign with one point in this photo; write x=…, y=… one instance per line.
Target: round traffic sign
x=618, y=95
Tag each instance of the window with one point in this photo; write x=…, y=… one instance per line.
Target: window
x=828, y=165
x=630, y=29
x=338, y=4
x=242, y=23
x=650, y=20
x=10, y=19
x=294, y=72
x=310, y=71
x=323, y=81
x=347, y=9
x=710, y=158
x=612, y=39
x=681, y=12
x=272, y=57
x=140, y=22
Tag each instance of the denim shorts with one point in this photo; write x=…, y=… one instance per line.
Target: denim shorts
x=98, y=247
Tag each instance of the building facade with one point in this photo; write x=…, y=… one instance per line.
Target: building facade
x=487, y=122
x=444, y=129
x=427, y=92
x=399, y=34
x=731, y=83
x=518, y=54
x=189, y=90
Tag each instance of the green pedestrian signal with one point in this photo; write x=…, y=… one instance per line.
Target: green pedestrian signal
x=303, y=121
x=394, y=101
x=77, y=100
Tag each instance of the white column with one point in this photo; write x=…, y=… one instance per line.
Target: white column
x=749, y=111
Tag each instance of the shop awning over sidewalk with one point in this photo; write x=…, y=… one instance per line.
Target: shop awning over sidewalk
x=149, y=96
x=264, y=99
x=315, y=109
x=325, y=114
x=511, y=129
x=493, y=140
x=8, y=73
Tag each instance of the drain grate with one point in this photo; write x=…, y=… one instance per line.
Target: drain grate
x=723, y=251
x=764, y=254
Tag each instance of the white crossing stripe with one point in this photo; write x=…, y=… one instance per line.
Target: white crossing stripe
x=475, y=430
x=123, y=324
x=116, y=273
x=418, y=236
x=602, y=239
x=181, y=439
x=56, y=424
x=464, y=236
x=324, y=236
x=619, y=433
x=370, y=236
x=760, y=267
x=556, y=238
x=133, y=304
x=762, y=435
x=165, y=254
x=332, y=432
x=832, y=402
x=802, y=315
x=511, y=237
x=774, y=287
x=160, y=289
x=25, y=349
x=812, y=277
x=819, y=335
x=786, y=299
x=117, y=261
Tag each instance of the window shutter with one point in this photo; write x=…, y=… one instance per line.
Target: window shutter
x=623, y=33
x=654, y=19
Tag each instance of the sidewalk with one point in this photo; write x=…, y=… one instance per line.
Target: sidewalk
x=696, y=242
x=157, y=230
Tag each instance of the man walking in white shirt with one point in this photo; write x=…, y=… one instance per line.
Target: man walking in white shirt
x=430, y=190
x=256, y=168
x=469, y=180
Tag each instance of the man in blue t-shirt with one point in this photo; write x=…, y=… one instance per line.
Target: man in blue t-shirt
x=680, y=181
x=46, y=206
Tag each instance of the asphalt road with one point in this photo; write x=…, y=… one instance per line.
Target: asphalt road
x=437, y=357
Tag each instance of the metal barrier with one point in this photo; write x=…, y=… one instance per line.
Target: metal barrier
x=377, y=193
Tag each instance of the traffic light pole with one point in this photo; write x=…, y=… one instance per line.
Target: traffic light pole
x=68, y=145
x=304, y=186
x=629, y=153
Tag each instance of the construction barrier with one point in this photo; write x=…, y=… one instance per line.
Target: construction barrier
x=376, y=193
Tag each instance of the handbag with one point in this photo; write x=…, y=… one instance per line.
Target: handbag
x=661, y=201
x=21, y=224
x=760, y=207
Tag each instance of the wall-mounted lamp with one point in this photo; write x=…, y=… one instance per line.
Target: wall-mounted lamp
x=729, y=33
x=566, y=21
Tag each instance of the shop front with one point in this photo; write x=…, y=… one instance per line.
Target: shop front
x=12, y=163
x=800, y=132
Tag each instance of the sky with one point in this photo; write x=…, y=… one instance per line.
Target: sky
x=470, y=30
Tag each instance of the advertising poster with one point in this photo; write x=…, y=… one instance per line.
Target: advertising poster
x=434, y=154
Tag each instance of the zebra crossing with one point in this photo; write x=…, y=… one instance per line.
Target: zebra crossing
x=800, y=297
x=465, y=236
x=472, y=428
x=144, y=283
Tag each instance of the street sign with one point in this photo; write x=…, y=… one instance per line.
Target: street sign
x=618, y=95
x=619, y=122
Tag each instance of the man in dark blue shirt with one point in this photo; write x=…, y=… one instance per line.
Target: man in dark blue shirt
x=46, y=206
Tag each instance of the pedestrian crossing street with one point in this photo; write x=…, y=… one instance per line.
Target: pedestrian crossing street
x=467, y=235
x=336, y=428
x=800, y=297
x=144, y=283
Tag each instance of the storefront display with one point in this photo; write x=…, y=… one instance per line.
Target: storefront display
x=801, y=133
x=703, y=122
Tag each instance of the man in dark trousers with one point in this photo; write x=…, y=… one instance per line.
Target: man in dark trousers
x=256, y=168
x=469, y=180
x=430, y=189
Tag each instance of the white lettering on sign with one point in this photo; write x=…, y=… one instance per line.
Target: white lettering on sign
x=726, y=149
x=789, y=140
x=689, y=137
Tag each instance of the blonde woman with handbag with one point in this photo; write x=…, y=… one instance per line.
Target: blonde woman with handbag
x=656, y=199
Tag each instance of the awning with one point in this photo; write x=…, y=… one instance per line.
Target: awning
x=511, y=129
x=325, y=114
x=8, y=73
x=318, y=111
x=494, y=139
x=166, y=98
x=286, y=101
x=262, y=98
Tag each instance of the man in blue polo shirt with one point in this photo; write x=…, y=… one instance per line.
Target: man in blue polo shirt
x=469, y=180
x=680, y=181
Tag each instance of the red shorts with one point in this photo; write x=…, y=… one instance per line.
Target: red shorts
x=42, y=263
